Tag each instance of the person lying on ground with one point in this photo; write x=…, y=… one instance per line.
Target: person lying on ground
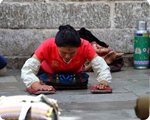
x=3, y=64
x=66, y=53
x=113, y=59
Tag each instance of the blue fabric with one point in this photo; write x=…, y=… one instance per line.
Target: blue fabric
x=3, y=62
x=64, y=78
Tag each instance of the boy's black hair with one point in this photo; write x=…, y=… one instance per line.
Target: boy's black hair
x=67, y=36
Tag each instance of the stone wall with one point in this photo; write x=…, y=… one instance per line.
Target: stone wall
x=24, y=24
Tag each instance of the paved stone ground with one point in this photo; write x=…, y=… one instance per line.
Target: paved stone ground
x=127, y=85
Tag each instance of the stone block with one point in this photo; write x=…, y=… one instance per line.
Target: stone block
x=18, y=45
x=47, y=15
x=22, y=42
x=47, y=1
x=16, y=62
x=119, y=40
x=126, y=14
x=128, y=60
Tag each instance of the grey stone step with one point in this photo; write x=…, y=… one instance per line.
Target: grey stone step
x=17, y=62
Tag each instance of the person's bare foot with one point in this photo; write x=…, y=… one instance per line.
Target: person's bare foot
x=102, y=85
x=119, y=55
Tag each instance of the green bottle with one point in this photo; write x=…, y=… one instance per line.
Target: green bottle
x=141, y=46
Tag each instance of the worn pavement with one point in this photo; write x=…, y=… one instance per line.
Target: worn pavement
x=127, y=85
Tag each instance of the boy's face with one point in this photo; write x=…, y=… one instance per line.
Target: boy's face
x=67, y=53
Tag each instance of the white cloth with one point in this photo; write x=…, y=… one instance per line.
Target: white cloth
x=101, y=69
x=27, y=102
x=29, y=71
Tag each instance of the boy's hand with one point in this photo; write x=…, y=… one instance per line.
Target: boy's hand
x=46, y=88
x=38, y=86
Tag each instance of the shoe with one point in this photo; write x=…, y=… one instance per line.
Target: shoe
x=96, y=90
x=36, y=92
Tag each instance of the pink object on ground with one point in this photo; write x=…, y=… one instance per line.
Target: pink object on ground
x=96, y=90
x=33, y=91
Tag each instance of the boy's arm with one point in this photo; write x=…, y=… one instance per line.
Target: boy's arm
x=30, y=70
x=101, y=69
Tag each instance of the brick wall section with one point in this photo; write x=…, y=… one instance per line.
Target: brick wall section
x=24, y=24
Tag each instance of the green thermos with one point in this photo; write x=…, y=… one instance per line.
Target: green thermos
x=141, y=46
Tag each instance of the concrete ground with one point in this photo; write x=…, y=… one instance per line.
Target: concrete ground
x=127, y=85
